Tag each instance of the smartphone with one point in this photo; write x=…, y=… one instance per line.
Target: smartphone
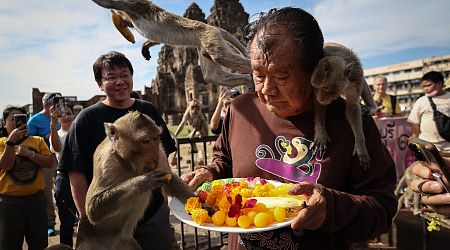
x=58, y=105
x=426, y=152
x=20, y=119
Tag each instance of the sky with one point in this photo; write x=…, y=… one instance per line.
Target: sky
x=52, y=44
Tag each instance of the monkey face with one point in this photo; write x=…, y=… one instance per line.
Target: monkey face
x=329, y=78
x=326, y=95
x=194, y=110
x=148, y=152
x=135, y=138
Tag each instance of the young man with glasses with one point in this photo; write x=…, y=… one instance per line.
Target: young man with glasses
x=113, y=73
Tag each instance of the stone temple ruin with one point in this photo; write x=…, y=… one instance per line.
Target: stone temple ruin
x=179, y=78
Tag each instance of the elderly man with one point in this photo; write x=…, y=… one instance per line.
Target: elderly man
x=344, y=203
x=388, y=103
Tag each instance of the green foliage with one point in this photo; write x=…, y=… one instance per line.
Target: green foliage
x=185, y=132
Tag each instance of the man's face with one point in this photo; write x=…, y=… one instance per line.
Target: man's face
x=117, y=83
x=281, y=82
x=380, y=86
x=430, y=86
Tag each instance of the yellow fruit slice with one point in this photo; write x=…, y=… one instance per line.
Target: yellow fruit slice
x=122, y=28
x=292, y=204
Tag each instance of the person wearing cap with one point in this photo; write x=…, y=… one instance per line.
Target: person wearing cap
x=39, y=125
x=225, y=98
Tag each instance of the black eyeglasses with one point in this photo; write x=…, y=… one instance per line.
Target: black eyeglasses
x=113, y=78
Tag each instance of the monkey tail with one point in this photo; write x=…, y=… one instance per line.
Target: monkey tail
x=367, y=97
x=233, y=41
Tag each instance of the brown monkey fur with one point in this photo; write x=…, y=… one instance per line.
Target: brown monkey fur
x=128, y=165
x=407, y=197
x=339, y=73
x=217, y=48
x=196, y=119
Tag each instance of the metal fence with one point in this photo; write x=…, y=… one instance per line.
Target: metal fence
x=190, y=236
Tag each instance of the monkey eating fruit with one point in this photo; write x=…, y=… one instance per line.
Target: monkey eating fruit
x=128, y=165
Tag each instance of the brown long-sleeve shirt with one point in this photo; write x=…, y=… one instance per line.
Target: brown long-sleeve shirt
x=360, y=204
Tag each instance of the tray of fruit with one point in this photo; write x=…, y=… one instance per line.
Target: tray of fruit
x=239, y=205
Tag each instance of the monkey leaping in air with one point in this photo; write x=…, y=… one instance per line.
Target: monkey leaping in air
x=217, y=48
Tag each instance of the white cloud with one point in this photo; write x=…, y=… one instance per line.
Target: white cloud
x=382, y=26
x=51, y=44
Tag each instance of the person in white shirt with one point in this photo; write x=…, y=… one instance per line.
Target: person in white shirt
x=421, y=115
x=63, y=196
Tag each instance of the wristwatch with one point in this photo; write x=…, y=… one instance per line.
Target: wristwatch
x=10, y=143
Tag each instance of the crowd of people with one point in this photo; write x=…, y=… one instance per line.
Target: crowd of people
x=345, y=204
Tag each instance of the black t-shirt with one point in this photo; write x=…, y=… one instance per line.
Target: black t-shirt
x=88, y=131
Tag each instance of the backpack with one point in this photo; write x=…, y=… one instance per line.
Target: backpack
x=442, y=121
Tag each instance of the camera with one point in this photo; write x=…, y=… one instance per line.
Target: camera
x=426, y=152
x=20, y=119
x=233, y=93
x=58, y=105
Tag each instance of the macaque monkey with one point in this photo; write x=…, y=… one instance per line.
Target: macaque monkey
x=128, y=165
x=194, y=117
x=216, y=47
x=405, y=195
x=339, y=73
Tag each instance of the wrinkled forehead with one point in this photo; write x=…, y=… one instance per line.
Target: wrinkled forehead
x=268, y=40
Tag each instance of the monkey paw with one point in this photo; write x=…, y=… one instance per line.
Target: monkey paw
x=156, y=178
x=320, y=142
x=145, y=49
x=146, y=53
x=363, y=155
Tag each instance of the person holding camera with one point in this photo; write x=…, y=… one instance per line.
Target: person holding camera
x=225, y=98
x=432, y=192
x=67, y=210
x=39, y=125
x=23, y=212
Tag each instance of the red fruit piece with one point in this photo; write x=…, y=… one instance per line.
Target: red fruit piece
x=202, y=195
